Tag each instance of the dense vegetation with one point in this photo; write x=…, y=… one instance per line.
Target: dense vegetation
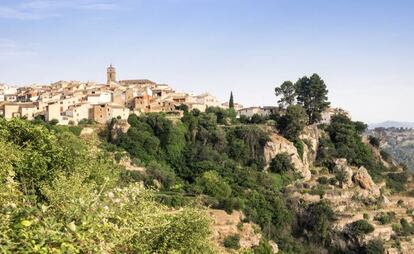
x=56, y=196
x=198, y=156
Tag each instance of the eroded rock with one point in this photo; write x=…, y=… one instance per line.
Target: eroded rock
x=364, y=180
x=342, y=165
x=279, y=144
x=120, y=127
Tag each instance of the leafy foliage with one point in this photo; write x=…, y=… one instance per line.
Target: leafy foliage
x=317, y=219
x=374, y=247
x=293, y=122
x=282, y=163
x=287, y=92
x=232, y=242
x=359, y=228
x=59, y=196
x=346, y=139
x=312, y=94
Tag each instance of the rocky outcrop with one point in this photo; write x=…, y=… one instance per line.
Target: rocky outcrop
x=120, y=127
x=229, y=224
x=364, y=180
x=275, y=248
x=279, y=144
x=342, y=165
x=381, y=232
x=127, y=163
x=87, y=131
x=310, y=136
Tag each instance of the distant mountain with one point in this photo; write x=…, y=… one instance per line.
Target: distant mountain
x=389, y=124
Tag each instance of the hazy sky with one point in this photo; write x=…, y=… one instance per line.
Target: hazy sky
x=363, y=49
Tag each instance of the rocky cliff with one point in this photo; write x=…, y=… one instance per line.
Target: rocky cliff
x=279, y=144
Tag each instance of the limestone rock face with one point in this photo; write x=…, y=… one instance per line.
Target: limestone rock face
x=275, y=248
x=229, y=224
x=87, y=131
x=127, y=163
x=121, y=126
x=364, y=180
x=279, y=144
x=393, y=251
x=381, y=232
x=342, y=165
x=311, y=135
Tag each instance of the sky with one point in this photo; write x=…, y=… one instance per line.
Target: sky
x=363, y=49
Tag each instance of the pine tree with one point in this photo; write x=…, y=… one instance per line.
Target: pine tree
x=312, y=94
x=231, y=101
x=287, y=94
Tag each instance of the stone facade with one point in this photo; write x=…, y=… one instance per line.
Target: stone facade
x=69, y=102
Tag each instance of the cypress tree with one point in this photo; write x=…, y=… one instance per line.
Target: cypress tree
x=231, y=101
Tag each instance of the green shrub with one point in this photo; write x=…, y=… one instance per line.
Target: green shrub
x=385, y=155
x=374, y=141
x=397, y=181
x=385, y=218
x=359, y=228
x=333, y=181
x=232, y=242
x=323, y=180
x=282, y=163
x=317, y=219
x=374, y=247
x=263, y=248
x=212, y=184
x=292, y=123
x=299, y=147
x=318, y=191
x=406, y=228
x=366, y=216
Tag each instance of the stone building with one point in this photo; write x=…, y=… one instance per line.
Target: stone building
x=330, y=112
x=105, y=112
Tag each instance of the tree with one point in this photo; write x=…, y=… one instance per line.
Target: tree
x=341, y=176
x=232, y=242
x=212, y=184
x=317, y=219
x=374, y=141
x=359, y=228
x=231, y=101
x=374, y=247
x=312, y=94
x=281, y=163
x=292, y=123
x=287, y=94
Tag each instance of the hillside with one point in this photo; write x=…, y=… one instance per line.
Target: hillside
x=206, y=182
x=398, y=142
x=225, y=174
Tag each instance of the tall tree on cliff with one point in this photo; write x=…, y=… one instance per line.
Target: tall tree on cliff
x=312, y=94
x=287, y=94
x=231, y=101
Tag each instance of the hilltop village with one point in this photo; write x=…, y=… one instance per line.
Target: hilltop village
x=70, y=102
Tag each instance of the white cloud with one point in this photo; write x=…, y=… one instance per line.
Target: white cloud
x=12, y=13
x=41, y=9
x=99, y=6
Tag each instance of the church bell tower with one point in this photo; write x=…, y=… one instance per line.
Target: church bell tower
x=111, y=74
